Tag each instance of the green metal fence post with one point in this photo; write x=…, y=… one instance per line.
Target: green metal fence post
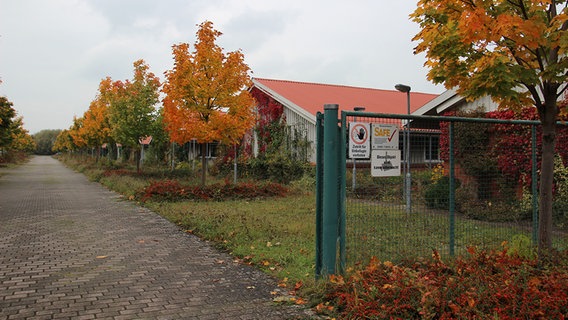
x=452, y=192
x=330, y=218
x=342, y=193
x=534, y=184
x=319, y=192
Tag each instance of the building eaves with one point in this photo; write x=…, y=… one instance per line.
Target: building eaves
x=441, y=103
x=285, y=102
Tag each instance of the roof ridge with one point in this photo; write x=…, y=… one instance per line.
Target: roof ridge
x=320, y=84
x=337, y=85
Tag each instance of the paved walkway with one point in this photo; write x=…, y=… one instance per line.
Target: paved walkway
x=70, y=249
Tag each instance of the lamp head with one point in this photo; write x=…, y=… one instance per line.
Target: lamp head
x=402, y=88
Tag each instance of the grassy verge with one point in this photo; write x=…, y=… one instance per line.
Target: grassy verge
x=275, y=234
x=389, y=233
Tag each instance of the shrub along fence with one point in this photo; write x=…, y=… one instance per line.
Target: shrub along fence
x=398, y=186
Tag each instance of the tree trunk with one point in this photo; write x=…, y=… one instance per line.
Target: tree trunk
x=137, y=158
x=548, y=119
x=203, y=163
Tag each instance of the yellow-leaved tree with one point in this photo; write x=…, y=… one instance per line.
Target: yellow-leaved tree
x=206, y=96
x=95, y=129
x=512, y=50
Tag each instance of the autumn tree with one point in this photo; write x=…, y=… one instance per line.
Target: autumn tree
x=132, y=106
x=512, y=50
x=206, y=97
x=75, y=132
x=95, y=130
x=21, y=138
x=13, y=136
x=63, y=142
x=7, y=113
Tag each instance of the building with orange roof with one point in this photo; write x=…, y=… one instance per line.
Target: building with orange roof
x=302, y=100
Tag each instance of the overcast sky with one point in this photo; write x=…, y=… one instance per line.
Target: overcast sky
x=53, y=53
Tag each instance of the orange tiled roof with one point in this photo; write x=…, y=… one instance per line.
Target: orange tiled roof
x=312, y=96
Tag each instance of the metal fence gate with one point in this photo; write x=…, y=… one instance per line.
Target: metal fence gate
x=400, y=186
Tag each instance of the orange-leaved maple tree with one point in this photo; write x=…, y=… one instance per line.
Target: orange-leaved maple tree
x=75, y=133
x=63, y=142
x=206, y=95
x=512, y=50
x=95, y=128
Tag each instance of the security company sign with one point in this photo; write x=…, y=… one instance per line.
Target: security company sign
x=359, y=141
x=385, y=163
x=384, y=136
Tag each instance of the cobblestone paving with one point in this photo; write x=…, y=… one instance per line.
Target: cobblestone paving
x=70, y=249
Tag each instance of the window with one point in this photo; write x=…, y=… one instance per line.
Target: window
x=432, y=150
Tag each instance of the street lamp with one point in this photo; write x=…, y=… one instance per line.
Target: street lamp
x=354, y=185
x=405, y=88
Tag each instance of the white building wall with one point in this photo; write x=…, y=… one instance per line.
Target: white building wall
x=294, y=120
x=484, y=103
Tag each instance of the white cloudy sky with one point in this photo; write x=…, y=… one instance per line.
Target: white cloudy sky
x=53, y=53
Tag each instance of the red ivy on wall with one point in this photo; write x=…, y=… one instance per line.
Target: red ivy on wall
x=510, y=144
x=269, y=112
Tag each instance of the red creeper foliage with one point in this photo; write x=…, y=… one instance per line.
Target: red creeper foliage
x=171, y=190
x=495, y=284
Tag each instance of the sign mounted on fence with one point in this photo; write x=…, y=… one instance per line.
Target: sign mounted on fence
x=359, y=141
x=384, y=136
x=385, y=163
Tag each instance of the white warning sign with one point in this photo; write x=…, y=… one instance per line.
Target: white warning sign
x=385, y=163
x=359, y=140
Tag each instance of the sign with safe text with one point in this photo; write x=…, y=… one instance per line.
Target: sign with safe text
x=384, y=136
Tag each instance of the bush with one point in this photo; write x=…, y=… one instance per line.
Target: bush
x=496, y=285
x=388, y=189
x=306, y=184
x=493, y=211
x=560, y=204
x=437, y=195
x=280, y=169
x=171, y=190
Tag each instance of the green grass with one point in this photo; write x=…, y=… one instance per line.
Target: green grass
x=125, y=185
x=389, y=233
x=277, y=235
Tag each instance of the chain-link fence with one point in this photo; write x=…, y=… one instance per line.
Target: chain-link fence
x=468, y=182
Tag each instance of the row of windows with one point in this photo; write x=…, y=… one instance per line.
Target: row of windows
x=423, y=148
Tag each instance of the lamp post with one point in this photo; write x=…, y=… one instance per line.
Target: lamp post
x=354, y=185
x=408, y=181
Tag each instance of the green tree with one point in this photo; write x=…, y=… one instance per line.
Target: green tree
x=132, y=107
x=45, y=140
x=206, y=94
x=512, y=50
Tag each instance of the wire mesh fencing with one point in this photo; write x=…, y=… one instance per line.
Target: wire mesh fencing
x=442, y=184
